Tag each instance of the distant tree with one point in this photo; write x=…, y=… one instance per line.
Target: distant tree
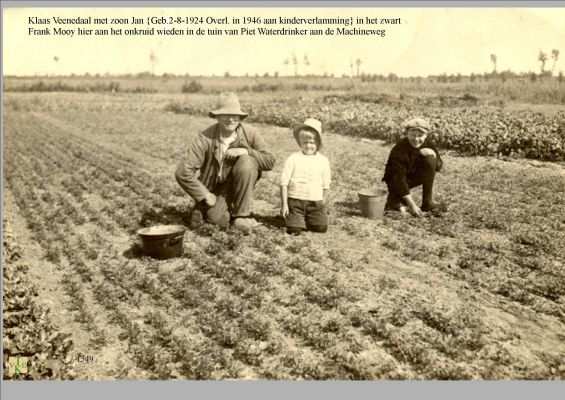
x=56, y=60
x=286, y=62
x=276, y=74
x=493, y=61
x=295, y=63
x=358, y=63
x=542, y=58
x=306, y=63
x=153, y=61
x=351, y=67
x=472, y=77
x=554, y=57
x=560, y=78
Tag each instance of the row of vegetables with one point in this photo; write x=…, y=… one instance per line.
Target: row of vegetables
x=33, y=347
x=489, y=131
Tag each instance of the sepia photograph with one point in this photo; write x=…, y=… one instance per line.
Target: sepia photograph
x=283, y=193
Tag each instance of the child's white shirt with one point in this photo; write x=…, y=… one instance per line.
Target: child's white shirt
x=306, y=176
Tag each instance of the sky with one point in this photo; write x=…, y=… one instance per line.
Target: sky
x=428, y=41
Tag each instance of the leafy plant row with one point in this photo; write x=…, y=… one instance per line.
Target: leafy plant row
x=469, y=131
x=28, y=329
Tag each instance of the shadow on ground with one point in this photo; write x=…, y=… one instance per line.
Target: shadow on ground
x=271, y=221
x=135, y=251
x=347, y=208
x=168, y=215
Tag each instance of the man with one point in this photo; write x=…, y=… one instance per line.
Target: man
x=221, y=166
x=412, y=162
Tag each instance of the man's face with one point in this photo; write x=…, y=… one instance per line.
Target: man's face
x=228, y=122
x=416, y=137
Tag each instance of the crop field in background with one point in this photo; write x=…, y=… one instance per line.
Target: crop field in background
x=478, y=293
x=488, y=89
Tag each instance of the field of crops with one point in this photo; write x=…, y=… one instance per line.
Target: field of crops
x=458, y=124
x=478, y=293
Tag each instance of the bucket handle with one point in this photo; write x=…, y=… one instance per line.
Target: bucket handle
x=174, y=241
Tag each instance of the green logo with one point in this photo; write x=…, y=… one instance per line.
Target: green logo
x=17, y=365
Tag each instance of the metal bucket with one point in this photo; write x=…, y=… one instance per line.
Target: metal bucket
x=162, y=241
x=372, y=203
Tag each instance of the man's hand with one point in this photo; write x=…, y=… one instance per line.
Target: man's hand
x=210, y=199
x=233, y=153
x=427, y=152
x=415, y=210
x=284, y=210
x=412, y=207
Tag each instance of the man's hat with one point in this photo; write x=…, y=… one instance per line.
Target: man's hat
x=228, y=103
x=417, y=123
x=311, y=124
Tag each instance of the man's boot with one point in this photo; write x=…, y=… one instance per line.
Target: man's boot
x=428, y=204
x=245, y=224
x=431, y=206
x=196, y=218
x=393, y=203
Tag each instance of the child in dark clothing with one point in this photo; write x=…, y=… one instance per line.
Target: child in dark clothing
x=412, y=162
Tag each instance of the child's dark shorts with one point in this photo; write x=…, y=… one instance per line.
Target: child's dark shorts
x=306, y=213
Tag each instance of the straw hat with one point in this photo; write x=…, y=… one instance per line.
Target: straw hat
x=417, y=123
x=310, y=123
x=228, y=103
